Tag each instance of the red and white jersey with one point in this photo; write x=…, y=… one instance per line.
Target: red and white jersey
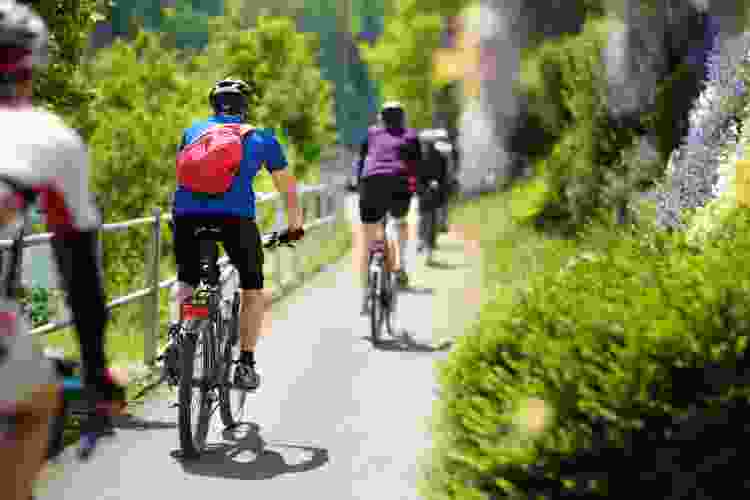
x=40, y=151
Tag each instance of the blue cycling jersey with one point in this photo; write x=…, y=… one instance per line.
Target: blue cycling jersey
x=260, y=148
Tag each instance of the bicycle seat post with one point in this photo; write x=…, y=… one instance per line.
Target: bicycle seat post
x=209, y=254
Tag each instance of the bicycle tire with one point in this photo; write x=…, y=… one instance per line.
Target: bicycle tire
x=192, y=444
x=389, y=301
x=230, y=408
x=376, y=307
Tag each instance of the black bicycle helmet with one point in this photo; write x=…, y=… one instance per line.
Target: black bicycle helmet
x=23, y=38
x=230, y=96
x=393, y=115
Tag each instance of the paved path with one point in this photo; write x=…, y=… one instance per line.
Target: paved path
x=335, y=418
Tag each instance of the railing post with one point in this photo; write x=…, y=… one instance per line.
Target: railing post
x=276, y=253
x=298, y=277
x=153, y=316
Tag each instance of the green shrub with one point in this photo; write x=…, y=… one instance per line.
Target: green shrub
x=36, y=302
x=585, y=160
x=632, y=350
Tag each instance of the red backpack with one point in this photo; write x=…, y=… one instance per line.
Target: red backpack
x=209, y=164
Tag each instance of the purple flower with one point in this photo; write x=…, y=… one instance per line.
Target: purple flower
x=739, y=88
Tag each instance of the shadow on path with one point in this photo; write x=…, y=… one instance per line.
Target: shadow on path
x=405, y=342
x=443, y=266
x=138, y=423
x=246, y=456
x=417, y=291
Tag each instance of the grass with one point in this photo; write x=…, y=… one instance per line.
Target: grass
x=515, y=254
x=512, y=253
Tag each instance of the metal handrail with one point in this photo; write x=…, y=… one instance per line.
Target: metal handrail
x=327, y=210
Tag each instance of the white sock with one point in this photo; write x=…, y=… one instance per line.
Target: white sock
x=403, y=250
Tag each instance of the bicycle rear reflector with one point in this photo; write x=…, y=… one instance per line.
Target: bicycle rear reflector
x=191, y=311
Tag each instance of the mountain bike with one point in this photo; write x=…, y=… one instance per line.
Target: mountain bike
x=206, y=340
x=74, y=399
x=382, y=288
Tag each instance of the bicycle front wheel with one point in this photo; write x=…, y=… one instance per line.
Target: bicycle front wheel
x=194, y=390
x=231, y=401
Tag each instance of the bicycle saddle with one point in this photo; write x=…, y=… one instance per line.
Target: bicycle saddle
x=207, y=232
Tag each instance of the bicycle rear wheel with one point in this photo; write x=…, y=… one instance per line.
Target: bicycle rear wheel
x=376, y=306
x=231, y=401
x=389, y=301
x=194, y=422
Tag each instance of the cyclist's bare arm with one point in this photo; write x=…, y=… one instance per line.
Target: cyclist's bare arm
x=363, y=150
x=286, y=185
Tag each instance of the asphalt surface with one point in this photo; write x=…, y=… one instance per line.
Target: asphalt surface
x=335, y=417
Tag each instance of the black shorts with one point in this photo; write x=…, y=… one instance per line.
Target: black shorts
x=240, y=238
x=381, y=194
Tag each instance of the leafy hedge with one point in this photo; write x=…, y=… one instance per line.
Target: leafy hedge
x=585, y=161
x=624, y=371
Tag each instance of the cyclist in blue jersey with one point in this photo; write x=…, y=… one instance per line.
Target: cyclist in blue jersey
x=388, y=157
x=234, y=213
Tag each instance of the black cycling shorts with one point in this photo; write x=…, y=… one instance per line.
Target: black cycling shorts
x=381, y=194
x=240, y=238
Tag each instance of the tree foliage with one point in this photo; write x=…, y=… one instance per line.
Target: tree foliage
x=291, y=95
x=60, y=87
x=402, y=59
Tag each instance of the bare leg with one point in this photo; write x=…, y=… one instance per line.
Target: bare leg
x=372, y=232
x=252, y=309
x=23, y=457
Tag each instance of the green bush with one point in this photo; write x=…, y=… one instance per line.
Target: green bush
x=36, y=302
x=588, y=162
x=634, y=358
x=584, y=160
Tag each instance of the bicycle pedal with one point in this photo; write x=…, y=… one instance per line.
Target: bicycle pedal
x=174, y=405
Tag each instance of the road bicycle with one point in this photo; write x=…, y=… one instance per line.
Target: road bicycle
x=381, y=287
x=74, y=399
x=206, y=341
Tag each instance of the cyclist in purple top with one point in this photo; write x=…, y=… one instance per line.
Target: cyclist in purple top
x=388, y=157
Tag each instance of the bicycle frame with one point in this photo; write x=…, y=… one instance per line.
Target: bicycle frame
x=203, y=306
x=380, y=286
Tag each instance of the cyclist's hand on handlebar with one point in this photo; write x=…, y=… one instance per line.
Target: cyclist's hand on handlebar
x=292, y=234
x=286, y=237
